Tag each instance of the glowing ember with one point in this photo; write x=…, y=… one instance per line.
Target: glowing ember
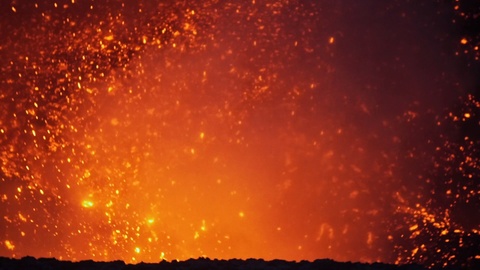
x=143, y=130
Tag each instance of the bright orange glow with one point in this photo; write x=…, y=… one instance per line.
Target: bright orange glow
x=150, y=130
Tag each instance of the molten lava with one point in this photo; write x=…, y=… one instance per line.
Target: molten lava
x=151, y=130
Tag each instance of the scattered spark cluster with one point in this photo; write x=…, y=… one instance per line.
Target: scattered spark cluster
x=148, y=130
x=443, y=229
x=468, y=13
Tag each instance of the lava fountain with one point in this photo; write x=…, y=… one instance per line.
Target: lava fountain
x=150, y=130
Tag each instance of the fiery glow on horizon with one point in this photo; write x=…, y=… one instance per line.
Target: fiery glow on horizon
x=144, y=131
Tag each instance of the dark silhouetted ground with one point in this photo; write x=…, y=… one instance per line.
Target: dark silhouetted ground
x=201, y=264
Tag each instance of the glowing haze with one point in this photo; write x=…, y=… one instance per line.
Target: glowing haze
x=150, y=130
